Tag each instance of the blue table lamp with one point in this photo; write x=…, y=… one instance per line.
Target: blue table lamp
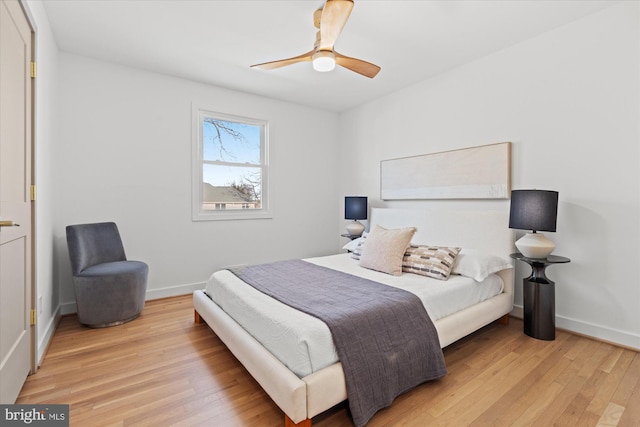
x=535, y=210
x=355, y=208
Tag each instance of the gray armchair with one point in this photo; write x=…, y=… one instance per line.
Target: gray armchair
x=110, y=290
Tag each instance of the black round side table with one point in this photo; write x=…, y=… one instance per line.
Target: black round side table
x=539, y=297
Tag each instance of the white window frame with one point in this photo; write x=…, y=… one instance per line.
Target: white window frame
x=199, y=114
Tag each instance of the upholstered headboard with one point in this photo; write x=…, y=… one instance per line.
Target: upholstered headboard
x=485, y=230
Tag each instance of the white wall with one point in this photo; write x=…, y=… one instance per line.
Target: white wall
x=569, y=100
x=123, y=153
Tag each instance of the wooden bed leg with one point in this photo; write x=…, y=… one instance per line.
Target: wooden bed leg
x=289, y=423
x=196, y=318
x=504, y=320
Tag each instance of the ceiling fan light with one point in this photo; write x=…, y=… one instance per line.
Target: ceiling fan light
x=324, y=61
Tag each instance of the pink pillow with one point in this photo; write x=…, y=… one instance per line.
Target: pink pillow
x=385, y=249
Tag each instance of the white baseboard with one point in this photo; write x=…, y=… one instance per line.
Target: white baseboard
x=68, y=308
x=45, y=338
x=171, y=291
x=517, y=312
x=602, y=333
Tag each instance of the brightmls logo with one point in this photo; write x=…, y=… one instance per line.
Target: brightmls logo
x=34, y=415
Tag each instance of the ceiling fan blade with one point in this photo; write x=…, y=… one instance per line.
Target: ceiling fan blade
x=305, y=57
x=359, y=66
x=334, y=17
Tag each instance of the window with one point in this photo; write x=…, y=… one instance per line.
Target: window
x=229, y=167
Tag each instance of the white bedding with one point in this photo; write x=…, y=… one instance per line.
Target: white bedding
x=303, y=343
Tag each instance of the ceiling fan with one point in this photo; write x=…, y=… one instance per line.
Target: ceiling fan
x=330, y=20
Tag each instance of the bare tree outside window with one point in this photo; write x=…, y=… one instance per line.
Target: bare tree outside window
x=232, y=158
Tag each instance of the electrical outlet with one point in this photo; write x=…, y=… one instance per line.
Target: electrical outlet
x=40, y=304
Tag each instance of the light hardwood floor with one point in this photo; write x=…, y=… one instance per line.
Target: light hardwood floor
x=162, y=369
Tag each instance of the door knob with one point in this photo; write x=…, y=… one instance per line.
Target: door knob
x=8, y=223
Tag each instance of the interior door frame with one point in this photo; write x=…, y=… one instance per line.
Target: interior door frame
x=34, y=297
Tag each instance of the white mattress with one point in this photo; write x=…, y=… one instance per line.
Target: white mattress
x=302, y=342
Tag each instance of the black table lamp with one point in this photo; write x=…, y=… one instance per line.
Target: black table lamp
x=355, y=208
x=535, y=210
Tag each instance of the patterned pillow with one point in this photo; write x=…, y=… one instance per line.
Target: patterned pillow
x=356, y=252
x=431, y=261
x=385, y=249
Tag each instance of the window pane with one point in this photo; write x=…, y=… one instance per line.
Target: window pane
x=231, y=187
x=228, y=141
x=230, y=167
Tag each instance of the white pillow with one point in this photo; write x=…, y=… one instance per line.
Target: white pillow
x=385, y=249
x=477, y=265
x=355, y=246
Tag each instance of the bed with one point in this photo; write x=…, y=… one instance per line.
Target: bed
x=304, y=394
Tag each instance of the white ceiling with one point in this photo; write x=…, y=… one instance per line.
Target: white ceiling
x=215, y=41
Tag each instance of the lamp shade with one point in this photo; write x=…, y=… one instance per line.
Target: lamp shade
x=355, y=207
x=535, y=210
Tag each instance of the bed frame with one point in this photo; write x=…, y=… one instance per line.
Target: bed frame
x=303, y=398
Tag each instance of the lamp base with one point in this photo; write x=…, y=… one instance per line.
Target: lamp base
x=535, y=245
x=355, y=228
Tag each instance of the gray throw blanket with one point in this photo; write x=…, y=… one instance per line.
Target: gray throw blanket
x=383, y=336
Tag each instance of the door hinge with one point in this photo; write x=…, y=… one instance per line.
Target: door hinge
x=33, y=193
x=33, y=316
x=33, y=70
